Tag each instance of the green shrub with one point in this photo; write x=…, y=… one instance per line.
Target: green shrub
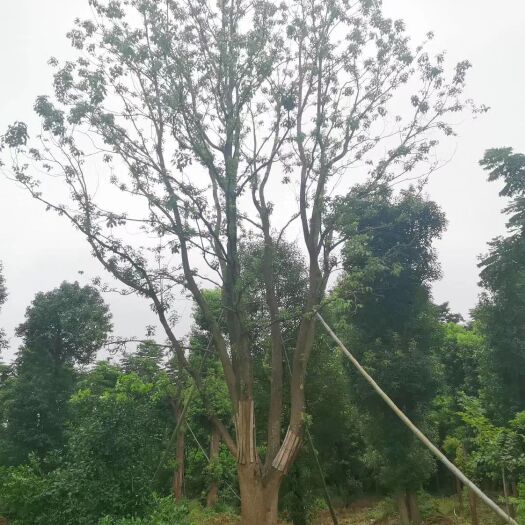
x=24, y=495
x=166, y=511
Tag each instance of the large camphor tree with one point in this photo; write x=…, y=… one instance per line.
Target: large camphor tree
x=185, y=128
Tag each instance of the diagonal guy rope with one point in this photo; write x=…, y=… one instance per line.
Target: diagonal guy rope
x=466, y=481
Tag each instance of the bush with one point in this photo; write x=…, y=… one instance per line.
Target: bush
x=24, y=495
x=166, y=511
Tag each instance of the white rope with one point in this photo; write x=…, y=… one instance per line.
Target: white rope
x=466, y=481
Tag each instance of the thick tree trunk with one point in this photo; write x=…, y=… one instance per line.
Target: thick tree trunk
x=473, y=507
x=259, y=500
x=404, y=516
x=213, y=492
x=413, y=509
x=259, y=487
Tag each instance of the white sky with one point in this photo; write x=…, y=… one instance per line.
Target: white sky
x=39, y=250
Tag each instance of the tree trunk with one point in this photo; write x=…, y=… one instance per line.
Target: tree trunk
x=413, y=509
x=213, y=492
x=459, y=492
x=404, y=516
x=514, y=494
x=259, y=500
x=178, y=476
x=506, y=492
x=473, y=507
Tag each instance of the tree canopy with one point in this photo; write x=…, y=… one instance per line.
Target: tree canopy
x=63, y=327
x=501, y=307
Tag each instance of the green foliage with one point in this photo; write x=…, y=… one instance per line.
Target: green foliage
x=459, y=357
x=390, y=246
x=115, y=446
x=501, y=310
x=165, y=511
x=521, y=504
x=25, y=494
x=111, y=461
x=63, y=327
x=70, y=323
x=483, y=449
x=503, y=163
x=392, y=327
x=36, y=407
x=460, y=354
x=290, y=285
x=501, y=316
x=384, y=508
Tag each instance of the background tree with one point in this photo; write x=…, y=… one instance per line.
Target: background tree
x=116, y=446
x=150, y=364
x=393, y=328
x=114, y=456
x=63, y=328
x=501, y=309
x=5, y=370
x=201, y=111
x=460, y=356
x=3, y=297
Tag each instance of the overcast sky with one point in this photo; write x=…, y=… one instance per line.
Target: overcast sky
x=39, y=250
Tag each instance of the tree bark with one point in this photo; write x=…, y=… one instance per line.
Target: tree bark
x=213, y=492
x=404, y=516
x=259, y=496
x=413, y=509
x=473, y=508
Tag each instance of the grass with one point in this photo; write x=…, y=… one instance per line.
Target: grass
x=365, y=511
x=438, y=511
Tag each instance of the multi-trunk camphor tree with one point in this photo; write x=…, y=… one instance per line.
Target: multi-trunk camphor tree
x=200, y=123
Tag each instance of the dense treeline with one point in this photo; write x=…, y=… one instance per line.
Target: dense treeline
x=87, y=440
